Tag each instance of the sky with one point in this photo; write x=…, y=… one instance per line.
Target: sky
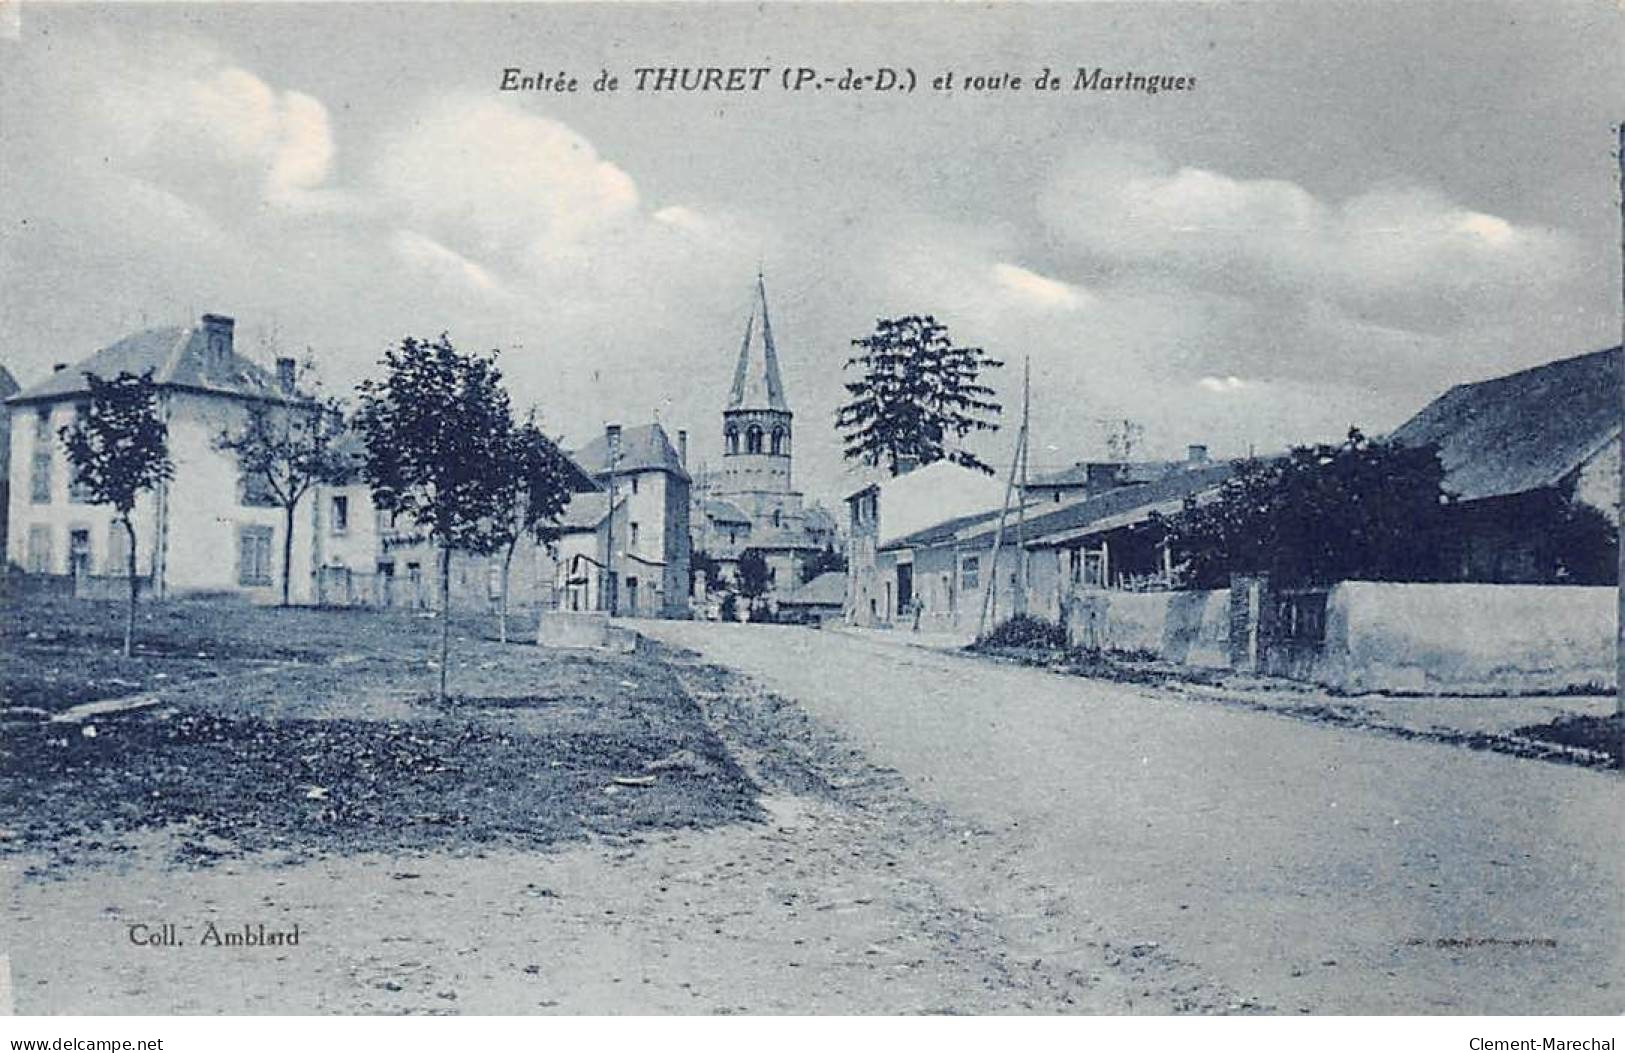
x=1354, y=208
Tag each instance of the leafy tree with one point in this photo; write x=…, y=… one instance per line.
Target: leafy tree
x=436, y=429
x=539, y=478
x=755, y=577
x=1356, y=510
x=823, y=562
x=119, y=447
x=916, y=392
x=288, y=448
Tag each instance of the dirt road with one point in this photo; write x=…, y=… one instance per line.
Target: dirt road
x=1308, y=868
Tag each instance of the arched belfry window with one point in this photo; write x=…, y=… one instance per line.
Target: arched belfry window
x=781, y=442
x=733, y=439
x=753, y=440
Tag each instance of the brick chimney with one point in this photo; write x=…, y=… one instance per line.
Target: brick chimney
x=217, y=333
x=682, y=447
x=1196, y=453
x=285, y=375
x=612, y=444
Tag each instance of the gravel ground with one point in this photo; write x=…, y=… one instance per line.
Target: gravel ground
x=838, y=892
x=1308, y=867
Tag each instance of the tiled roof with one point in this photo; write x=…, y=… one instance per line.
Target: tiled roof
x=1521, y=431
x=643, y=448
x=724, y=511
x=757, y=384
x=174, y=354
x=826, y=590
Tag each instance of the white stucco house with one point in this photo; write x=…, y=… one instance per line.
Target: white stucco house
x=205, y=531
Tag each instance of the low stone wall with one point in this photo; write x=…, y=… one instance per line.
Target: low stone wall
x=591, y=629
x=1468, y=639
x=1188, y=627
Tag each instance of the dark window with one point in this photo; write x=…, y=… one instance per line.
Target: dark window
x=341, y=513
x=634, y=484
x=254, y=555
x=779, y=443
x=42, y=424
x=753, y=440
x=39, y=550
x=40, y=481
x=79, y=551
x=634, y=534
x=733, y=439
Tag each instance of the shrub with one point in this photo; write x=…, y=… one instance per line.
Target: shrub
x=1025, y=630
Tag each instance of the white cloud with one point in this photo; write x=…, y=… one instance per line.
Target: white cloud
x=1033, y=289
x=1400, y=255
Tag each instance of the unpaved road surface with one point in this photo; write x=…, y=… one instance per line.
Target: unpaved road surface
x=843, y=894
x=1302, y=868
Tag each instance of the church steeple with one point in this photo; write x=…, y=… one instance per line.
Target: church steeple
x=757, y=384
x=756, y=420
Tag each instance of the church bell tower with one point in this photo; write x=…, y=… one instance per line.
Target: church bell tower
x=756, y=421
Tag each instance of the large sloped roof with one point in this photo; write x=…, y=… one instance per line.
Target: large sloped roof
x=826, y=590
x=1521, y=431
x=643, y=448
x=1114, y=507
x=174, y=354
x=8, y=384
x=757, y=384
x=724, y=511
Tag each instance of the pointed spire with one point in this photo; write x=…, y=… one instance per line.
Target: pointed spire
x=756, y=378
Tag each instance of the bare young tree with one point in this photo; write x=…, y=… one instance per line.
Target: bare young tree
x=540, y=477
x=119, y=448
x=286, y=448
x=437, y=427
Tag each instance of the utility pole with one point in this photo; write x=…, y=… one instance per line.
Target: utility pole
x=613, y=452
x=988, y=597
x=1020, y=606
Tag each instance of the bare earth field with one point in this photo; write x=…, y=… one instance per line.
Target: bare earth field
x=570, y=832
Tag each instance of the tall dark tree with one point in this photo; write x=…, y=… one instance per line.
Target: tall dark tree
x=286, y=448
x=916, y=397
x=1360, y=509
x=540, y=481
x=119, y=448
x=754, y=577
x=437, y=427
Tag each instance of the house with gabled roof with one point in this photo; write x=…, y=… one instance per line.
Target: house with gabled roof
x=647, y=560
x=1525, y=456
x=209, y=529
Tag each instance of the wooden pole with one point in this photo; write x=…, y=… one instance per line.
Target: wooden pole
x=1024, y=581
x=998, y=536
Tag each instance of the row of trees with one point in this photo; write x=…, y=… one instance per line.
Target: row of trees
x=440, y=445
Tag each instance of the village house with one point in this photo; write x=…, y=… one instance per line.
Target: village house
x=646, y=535
x=751, y=501
x=1520, y=452
x=209, y=529
x=1088, y=478
x=882, y=508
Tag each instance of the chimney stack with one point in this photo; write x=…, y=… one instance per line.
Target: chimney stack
x=217, y=333
x=1196, y=453
x=682, y=447
x=285, y=375
x=59, y=367
x=612, y=443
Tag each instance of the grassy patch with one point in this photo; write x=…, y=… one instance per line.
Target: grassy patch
x=336, y=744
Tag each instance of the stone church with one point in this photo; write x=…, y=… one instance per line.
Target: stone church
x=750, y=502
